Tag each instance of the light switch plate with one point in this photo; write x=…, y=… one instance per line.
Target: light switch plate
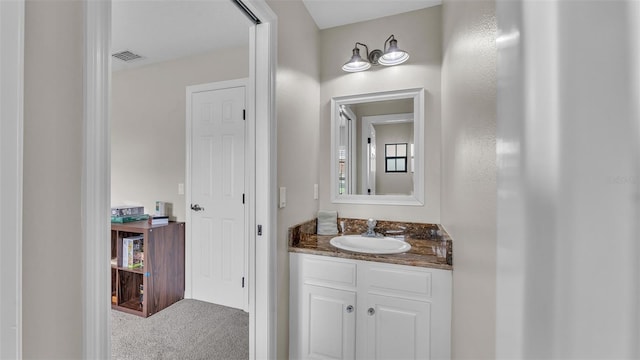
x=181, y=189
x=283, y=197
x=315, y=191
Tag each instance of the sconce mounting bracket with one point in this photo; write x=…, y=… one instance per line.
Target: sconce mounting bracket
x=373, y=56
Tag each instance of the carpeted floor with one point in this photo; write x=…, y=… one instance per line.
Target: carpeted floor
x=188, y=329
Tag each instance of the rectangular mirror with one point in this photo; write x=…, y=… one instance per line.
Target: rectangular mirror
x=377, y=143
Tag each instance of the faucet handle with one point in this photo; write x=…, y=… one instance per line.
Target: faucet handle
x=371, y=224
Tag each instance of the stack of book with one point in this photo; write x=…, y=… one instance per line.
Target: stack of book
x=158, y=220
x=126, y=219
x=133, y=252
x=123, y=214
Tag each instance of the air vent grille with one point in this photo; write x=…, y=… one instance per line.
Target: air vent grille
x=126, y=56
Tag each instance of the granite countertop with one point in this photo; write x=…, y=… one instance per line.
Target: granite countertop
x=423, y=238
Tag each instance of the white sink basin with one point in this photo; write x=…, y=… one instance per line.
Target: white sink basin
x=370, y=245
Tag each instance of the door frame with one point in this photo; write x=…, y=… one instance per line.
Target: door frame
x=96, y=183
x=11, y=149
x=249, y=175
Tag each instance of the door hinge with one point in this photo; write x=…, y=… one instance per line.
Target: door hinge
x=368, y=140
x=243, y=198
x=243, y=281
x=259, y=230
x=244, y=114
x=369, y=191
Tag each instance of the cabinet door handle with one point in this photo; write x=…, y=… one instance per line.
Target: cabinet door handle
x=371, y=311
x=350, y=308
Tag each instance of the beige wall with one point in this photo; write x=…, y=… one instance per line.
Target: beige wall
x=297, y=94
x=469, y=171
x=148, y=125
x=303, y=114
x=419, y=33
x=52, y=223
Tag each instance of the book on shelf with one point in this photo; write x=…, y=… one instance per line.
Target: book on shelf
x=132, y=249
x=126, y=244
x=124, y=210
x=128, y=218
x=158, y=220
x=138, y=253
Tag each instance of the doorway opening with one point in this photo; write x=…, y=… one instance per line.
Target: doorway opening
x=261, y=278
x=160, y=50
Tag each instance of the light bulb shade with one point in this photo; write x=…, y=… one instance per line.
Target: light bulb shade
x=393, y=55
x=356, y=63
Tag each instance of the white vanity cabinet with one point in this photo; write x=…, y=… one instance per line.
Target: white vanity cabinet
x=396, y=329
x=353, y=309
x=322, y=308
x=330, y=322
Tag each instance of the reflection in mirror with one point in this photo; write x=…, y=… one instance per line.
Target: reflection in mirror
x=375, y=148
x=364, y=163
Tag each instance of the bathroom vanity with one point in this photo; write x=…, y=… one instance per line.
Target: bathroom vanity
x=352, y=305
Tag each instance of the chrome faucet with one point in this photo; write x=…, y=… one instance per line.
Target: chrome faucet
x=371, y=224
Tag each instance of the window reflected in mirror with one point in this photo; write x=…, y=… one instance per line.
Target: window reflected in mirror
x=395, y=157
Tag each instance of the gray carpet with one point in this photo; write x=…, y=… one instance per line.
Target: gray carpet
x=188, y=329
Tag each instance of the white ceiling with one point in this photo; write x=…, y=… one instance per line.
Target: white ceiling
x=171, y=29
x=161, y=30
x=331, y=13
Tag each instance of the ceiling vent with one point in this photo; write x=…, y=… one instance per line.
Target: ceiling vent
x=126, y=56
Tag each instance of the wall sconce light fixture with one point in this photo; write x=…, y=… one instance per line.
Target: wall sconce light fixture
x=357, y=63
x=391, y=56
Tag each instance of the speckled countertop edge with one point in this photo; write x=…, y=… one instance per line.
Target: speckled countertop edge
x=424, y=239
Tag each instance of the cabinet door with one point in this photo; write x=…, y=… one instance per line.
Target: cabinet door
x=328, y=323
x=396, y=328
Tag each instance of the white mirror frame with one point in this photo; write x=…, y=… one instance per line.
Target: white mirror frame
x=415, y=199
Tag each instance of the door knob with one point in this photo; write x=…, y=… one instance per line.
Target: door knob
x=350, y=308
x=196, y=207
x=371, y=311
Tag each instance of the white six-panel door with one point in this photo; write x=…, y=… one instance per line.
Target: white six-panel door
x=218, y=250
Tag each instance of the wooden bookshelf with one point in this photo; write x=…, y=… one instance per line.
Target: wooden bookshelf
x=162, y=274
